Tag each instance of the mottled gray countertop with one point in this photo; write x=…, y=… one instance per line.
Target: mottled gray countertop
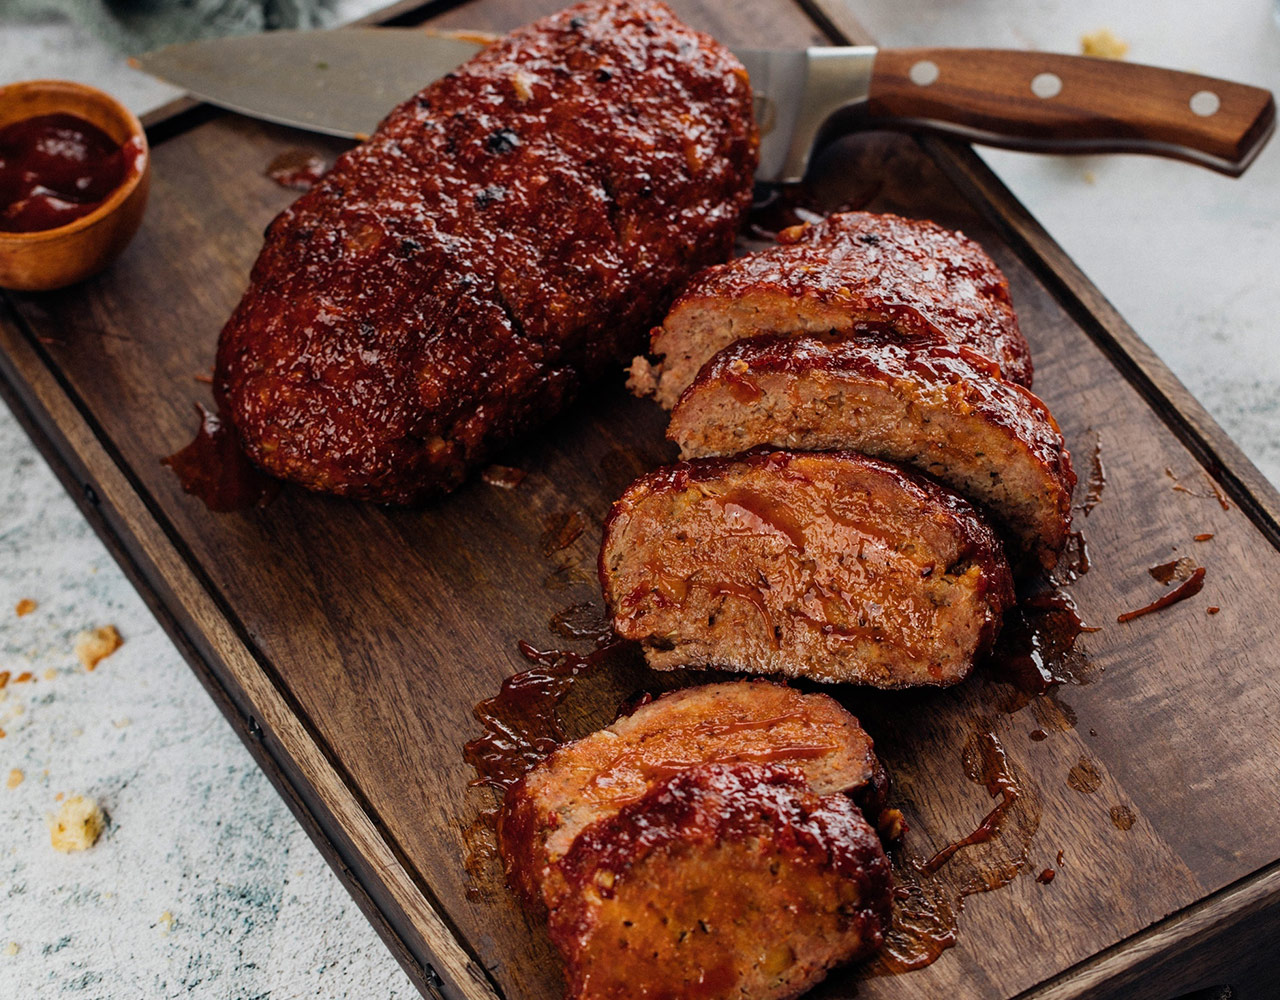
x=203, y=885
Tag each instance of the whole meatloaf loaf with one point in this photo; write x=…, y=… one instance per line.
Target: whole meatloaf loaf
x=592, y=778
x=827, y=565
x=941, y=409
x=850, y=274
x=725, y=882
x=507, y=234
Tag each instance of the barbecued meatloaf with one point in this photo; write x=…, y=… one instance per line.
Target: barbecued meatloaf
x=828, y=565
x=942, y=409
x=849, y=274
x=726, y=881
x=505, y=235
x=594, y=777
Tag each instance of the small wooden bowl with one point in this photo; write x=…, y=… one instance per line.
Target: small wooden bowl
x=54, y=258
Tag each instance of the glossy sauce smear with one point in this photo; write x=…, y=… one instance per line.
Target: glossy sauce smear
x=57, y=168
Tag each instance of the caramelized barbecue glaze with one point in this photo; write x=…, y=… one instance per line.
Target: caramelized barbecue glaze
x=504, y=236
x=726, y=881
x=853, y=274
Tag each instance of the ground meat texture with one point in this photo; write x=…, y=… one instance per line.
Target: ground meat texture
x=505, y=235
x=942, y=409
x=594, y=777
x=727, y=881
x=827, y=565
x=851, y=274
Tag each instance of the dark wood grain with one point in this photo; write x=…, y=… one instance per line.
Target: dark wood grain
x=359, y=638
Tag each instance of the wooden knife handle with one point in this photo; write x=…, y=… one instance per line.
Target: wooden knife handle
x=1072, y=104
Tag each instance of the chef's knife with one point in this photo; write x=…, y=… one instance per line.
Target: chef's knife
x=343, y=81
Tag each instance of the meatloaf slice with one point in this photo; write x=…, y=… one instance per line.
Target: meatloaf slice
x=828, y=565
x=847, y=275
x=727, y=881
x=740, y=721
x=939, y=408
x=506, y=235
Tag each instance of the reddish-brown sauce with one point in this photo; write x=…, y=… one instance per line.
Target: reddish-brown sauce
x=1074, y=561
x=1204, y=536
x=1188, y=588
x=1175, y=569
x=297, y=169
x=926, y=905
x=1122, y=817
x=1035, y=651
x=1084, y=776
x=57, y=168
x=503, y=476
x=215, y=469
x=754, y=511
x=1038, y=736
x=987, y=765
x=521, y=722
x=1097, y=478
x=1046, y=876
x=1212, y=609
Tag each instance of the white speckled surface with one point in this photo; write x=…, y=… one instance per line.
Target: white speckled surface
x=196, y=832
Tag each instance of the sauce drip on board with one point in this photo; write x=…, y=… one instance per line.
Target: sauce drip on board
x=215, y=469
x=57, y=168
x=1188, y=588
x=929, y=895
x=1035, y=651
x=522, y=724
x=1174, y=569
x=297, y=169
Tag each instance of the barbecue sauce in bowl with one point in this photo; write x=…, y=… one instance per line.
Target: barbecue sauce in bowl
x=56, y=168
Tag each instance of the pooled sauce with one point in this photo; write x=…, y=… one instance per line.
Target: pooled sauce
x=522, y=725
x=1097, y=477
x=57, y=168
x=755, y=511
x=742, y=389
x=986, y=764
x=1046, y=876
x=926, y=911
x=1122, y=817
x=215, y=469
x=1074, y=561
x=1175, y=569
x=521, y=722
x=297, y=169
x=1188, y=588
x=1035, y=651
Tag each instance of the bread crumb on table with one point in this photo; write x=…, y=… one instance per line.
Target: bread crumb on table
x=12, y=948
x=77, y=826
x=165, y=923
x=1104, y=44
x=25, y=607
x=95, y=645
x=16, y=778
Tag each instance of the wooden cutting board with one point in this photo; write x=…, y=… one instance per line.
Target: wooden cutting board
x=348, y=643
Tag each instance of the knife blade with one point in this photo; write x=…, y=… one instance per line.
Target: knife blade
x=343, y=81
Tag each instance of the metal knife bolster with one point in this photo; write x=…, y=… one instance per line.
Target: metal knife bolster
x=796, y=92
